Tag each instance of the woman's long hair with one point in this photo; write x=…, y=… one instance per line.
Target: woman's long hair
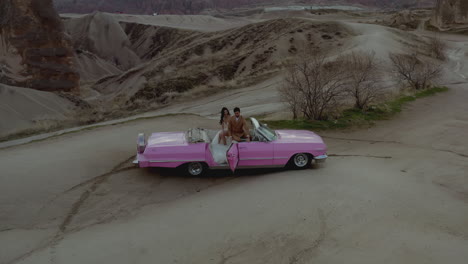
x=222, y=115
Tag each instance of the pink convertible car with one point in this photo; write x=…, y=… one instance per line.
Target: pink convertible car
x=197, y=150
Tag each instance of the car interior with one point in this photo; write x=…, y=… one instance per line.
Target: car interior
x=218, y=151
x=201, y=135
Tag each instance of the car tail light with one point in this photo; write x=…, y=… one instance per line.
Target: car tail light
x=141, y=143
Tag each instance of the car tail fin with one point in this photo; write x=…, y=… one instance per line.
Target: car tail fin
x=141, y=143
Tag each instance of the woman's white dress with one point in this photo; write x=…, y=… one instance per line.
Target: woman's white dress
x=219, y=150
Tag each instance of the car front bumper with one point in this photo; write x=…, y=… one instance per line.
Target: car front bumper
x=321, y=158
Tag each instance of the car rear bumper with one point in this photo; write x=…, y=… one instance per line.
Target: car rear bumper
x=321, y=158
x=140, y=161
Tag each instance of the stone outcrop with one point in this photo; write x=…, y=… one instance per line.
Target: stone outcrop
x=101, y=34
x=404, y=20
x=450, y=12
x=35, y=47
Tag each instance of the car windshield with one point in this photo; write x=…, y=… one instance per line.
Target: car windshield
x=267, y=132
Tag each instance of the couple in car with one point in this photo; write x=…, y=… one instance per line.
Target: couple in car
x=233, y=126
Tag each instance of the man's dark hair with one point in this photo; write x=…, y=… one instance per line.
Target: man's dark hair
x=236, y=109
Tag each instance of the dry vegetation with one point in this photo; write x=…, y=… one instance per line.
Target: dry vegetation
x=315, y=88
x=413, y=71
x=437, y=48
x=364, y=75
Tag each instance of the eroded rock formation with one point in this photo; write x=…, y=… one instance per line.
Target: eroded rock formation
x=450, y=12
x=35, y=51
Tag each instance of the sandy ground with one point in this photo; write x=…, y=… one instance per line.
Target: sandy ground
x=394, y=193
x=256, y=100
x=23, y=108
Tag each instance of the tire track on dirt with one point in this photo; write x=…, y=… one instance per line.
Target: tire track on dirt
x=454, y=190
x=453, y=152
x=81, y=184
x=141, y=203
x=96, y=181
x=302, y=248
x=75, y=209
x=225, y=259
x=299, y=256
x=399, y=143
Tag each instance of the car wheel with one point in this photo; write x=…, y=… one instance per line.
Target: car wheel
x=301, y=161
x=195, y=169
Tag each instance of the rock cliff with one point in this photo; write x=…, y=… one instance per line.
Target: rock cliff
x=35, y=52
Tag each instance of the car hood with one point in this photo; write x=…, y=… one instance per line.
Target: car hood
x=297, y=136
x=164, y=139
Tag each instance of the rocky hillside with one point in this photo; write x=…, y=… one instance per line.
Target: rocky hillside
x=177, y=61
x=450, y=12
x=196, y=6
x=34, y=51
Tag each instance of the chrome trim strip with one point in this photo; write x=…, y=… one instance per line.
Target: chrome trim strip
x=226, y=167
x=263, y=158
x=162, y=161
x=255, y=159
x=260, y=167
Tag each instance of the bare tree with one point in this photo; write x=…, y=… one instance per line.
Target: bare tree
x=292, y=98
x=314, y=86
x=412, y=70
x=364, y=76
x=437, y=48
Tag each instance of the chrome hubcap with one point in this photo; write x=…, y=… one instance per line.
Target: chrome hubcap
x=195, y=168
x=300, y=160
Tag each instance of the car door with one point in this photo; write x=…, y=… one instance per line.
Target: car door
x=233, y=156
x=255, y=154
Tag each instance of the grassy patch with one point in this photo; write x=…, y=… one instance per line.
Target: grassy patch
x=356, y=117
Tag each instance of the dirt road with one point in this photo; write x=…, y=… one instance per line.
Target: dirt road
x=398, y=192
x=395, y=193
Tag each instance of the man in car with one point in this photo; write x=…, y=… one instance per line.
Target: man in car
x=238, y=127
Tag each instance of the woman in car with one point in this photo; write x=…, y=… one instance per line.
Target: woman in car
x=224, y=122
